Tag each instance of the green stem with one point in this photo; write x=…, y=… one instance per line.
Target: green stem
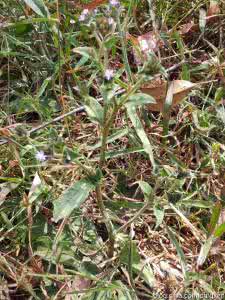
x=124, y=47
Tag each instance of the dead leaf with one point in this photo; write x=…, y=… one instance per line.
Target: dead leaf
x=13, y=163
x=158, y=90
x=5, y=132
x=214, y=8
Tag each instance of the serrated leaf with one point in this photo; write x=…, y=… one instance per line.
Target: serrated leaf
x=38, y=6
x=72, y=198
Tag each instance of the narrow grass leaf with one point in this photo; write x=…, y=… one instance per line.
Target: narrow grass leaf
x=117, y=135
x=205, y=251
x=215, y=217
x=179, y=251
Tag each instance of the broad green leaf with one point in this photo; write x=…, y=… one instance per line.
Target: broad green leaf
x=215, y=217
x=205, y=250
x=72, y=198
x=38, y=6
x=124, y=255
x=220, y=94
x=141, y=133
x=94, y=110
x=140, y=99
x=179, y=250
x=220, y=230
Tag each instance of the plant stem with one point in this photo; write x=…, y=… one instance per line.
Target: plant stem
x=124, y=47
x=106, y=220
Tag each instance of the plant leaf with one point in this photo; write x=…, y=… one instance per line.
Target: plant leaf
x=141, y=133
x=179, y=250
x=6, y=188
x=205, y=251
x=215, y=217
x=146, y=189
x=94, y=110
x=141, y=99
x=220, y=230
x=145, y=272
x=72, y=198
x=158, y=90
x=38, y=6
x=159, y=214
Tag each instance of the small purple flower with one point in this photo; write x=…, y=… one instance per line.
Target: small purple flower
x=84, y=15
x=109, y=74
x=114, y=3
x=40, y=156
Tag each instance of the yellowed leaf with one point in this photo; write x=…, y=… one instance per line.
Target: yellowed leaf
x=158, y=90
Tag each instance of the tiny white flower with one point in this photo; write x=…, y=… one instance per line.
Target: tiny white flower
x=109, y=74
x=40, y=156
x=111, y=21
x=144, y=45
x=72, y=21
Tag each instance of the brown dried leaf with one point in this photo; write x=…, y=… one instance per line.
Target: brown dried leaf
x=214, y=8
x=158, y=90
